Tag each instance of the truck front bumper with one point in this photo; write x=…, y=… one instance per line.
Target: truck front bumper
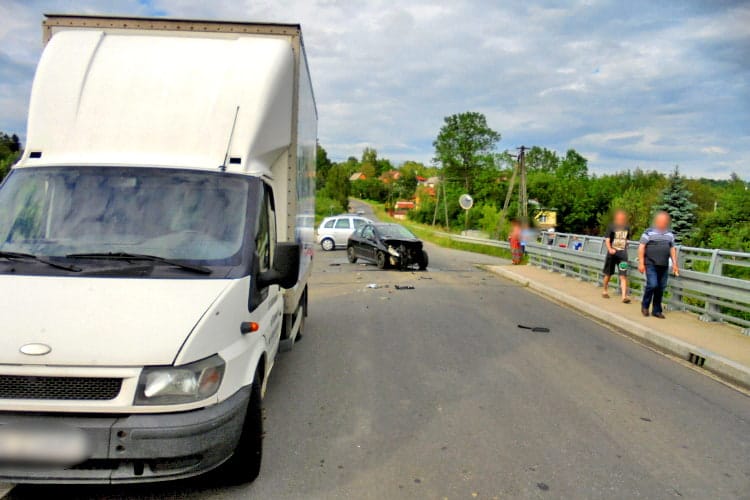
x=138, y=448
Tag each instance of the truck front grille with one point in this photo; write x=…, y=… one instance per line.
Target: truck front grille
x=59, y=388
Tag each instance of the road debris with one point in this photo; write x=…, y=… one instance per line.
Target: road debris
x=540, y=329
x=404, y=287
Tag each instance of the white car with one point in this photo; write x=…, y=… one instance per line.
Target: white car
x=334, y=231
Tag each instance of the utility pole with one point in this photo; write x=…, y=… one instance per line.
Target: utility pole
x=437, y=204
x=519, y=170
x=511, y=184
x=445, y=205
x=523, y=197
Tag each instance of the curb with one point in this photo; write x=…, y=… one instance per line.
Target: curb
x=719, y=365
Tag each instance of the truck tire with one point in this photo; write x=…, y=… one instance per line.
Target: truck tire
x=244, y=465
x=381, y=260
x=423, y=261
x=351, y=256
x=302, y=313
x=328, y=244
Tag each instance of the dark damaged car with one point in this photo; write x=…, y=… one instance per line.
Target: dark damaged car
x=387, y=245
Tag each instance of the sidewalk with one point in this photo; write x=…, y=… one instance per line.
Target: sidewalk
x=725, y=351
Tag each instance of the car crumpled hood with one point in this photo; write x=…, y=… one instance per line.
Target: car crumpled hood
x=407, y=242
x=100, y=321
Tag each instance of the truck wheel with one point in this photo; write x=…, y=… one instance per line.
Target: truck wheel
x=327, y=244
x=244, y=465
x=381, y=260
x=424, y=261
x=351, y=255
x=302, y=313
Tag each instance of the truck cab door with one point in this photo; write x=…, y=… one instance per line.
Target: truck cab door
x=267, y=303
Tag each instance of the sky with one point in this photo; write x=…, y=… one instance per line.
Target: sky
x=627, y=84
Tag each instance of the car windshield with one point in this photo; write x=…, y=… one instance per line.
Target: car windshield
x=174, y=214
x=394, y=231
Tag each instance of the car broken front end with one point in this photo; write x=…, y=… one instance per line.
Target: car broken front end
x=404, y=254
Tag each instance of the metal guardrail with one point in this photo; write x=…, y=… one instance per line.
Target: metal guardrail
x=702, y=286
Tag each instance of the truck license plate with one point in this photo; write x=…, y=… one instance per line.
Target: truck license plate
x=20, y=445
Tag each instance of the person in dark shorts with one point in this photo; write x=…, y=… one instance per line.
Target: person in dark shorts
x=616, y=260
x=654, y=253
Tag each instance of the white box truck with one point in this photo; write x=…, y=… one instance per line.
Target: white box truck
x=155, y=248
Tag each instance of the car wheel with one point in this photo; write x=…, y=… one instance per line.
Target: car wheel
x=244, y=464
x=351, y=255
x=424, y=261
x=327, y=244
x=381, y=260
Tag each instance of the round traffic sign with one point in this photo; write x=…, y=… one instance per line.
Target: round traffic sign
x=466, y=201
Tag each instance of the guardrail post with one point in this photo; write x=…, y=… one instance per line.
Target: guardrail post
x=676, y=292
x=715, y=268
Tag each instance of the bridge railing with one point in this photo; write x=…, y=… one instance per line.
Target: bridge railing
x=703, y=286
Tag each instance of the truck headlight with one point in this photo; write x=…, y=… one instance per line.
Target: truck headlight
x=196, y=381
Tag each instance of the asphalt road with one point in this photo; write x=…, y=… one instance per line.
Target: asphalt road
x=436, y=393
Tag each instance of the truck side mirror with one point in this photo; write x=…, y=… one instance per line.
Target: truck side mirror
x=285, y=267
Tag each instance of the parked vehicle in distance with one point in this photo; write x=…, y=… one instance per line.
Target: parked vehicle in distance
x=334, y=231
x=156, y=242
x=387, y=245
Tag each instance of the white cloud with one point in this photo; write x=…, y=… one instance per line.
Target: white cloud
x=714, y=150
x=629, y=83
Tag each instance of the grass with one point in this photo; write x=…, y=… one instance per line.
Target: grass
x=426, y=233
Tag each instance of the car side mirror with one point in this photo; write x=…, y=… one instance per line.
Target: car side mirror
x=285, y=267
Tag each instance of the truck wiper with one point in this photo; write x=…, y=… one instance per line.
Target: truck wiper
x=21, y=255
x=138, y=256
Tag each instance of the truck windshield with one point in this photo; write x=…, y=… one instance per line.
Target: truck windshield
x=174, y=214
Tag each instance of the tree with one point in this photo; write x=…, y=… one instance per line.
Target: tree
x=541, y=160
x=675, y=200
x=369, y=155
x=369, y=163
x=406, y=184
x=10, y=150
x=322, y=166
x=704, y=194
x=338, y=185
x=567, y=190
x=352, y=165
x=15, y=144
x=463, y=146
x=728, y=226
x=383, y=165
x=369, y=189
x=368, y=169
x=489, y=219
x=638, y=206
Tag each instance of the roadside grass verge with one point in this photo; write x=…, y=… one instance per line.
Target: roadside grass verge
x=426, y=233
